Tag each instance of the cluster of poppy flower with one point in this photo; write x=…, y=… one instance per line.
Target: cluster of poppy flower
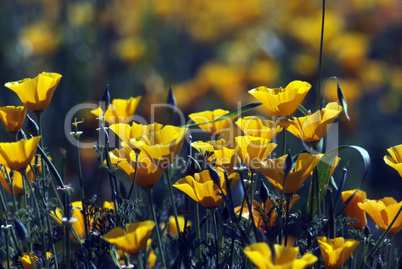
x=145, y=147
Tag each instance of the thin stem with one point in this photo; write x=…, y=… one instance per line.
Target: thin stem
x=320, y=57
x=283, y=141
x=280, y=209
x=251, y=212
x=197, y=227
x=38, y=216
x=389, y=253
x=287, y=219
x=139, y=261
x=216, y=235
x=172, y=201
x=158, y=237
x=7, y=248
x=137, y=153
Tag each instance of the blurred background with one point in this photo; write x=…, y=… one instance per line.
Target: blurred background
x=212, y=53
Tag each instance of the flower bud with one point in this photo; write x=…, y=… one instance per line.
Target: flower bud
x=32, y=127
x=105, y=100
x=216, y=178
x=263, y=192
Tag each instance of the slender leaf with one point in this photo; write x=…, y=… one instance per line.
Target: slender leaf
x=342, y=100
x=324, y=172
x=230, y=114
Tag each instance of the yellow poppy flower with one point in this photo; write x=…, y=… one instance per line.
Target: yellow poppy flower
x=77, y=214
x=383, y=211
x=395, y=160
x=162, y=146
x=272, y=169
x=118, y=158
x=257, y=127
x=148, y=173
x=17, y=177
x=285, y=257
x=13, y=117
x=215, y=128
x=126, y=132
x=336, y=252
x=279, y=101
x=202, y=189
x=353, y=211
x=254, y=150
x=18, y=155
x=26, y=260
x=36, y=93
x=315, y=126
x=268, y=213
x=119, y=111
x=172, y=227
x=133, y=239
x=223, y=155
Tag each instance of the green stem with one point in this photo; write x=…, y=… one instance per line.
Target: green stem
x=38, y=216
x=280, y=210
x=149, y=193
x=216, y=235
x=7, y=248
x=169, y=183
x=197, y=227
x=320, y=57
x=389, y=253
x=283, y=141
x=139, y=261
x=137, y=153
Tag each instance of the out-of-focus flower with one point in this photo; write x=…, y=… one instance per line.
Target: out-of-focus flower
x=383, y=211
x=202, y=189
x=395, y=160
x=133, y=239
x=254, y=150
x=80, y=14
x=39, y=38
x=172, y=227
x=26, y=260
x=336, y=252
x=282, y=101
x=222, y=153
x=134, y=131
x=18, y=155
x=148, y=173
x=151, y=256
x=254, y=126
x=221, y=77
x=265, y=217
x=272, y=169
x=353, y=211
x=130, y=49
x=313, y=127
x=119, y=111
x=13, y=117
x=285, y=257
x=215, y=128
x=162, y=146
x=36, y=93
